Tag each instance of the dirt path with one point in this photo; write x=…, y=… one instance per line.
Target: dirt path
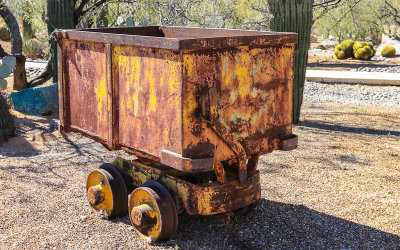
x=339, y=189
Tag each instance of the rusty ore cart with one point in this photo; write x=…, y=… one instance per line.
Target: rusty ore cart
x=196, y=106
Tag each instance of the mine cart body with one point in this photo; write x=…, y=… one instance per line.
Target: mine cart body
x=195, y=100
x=139, y=89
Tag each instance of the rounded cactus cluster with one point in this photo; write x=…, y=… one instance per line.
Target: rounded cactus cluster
x=344, y=50
x=363, y=50
x=388, y=51
x=355, y=49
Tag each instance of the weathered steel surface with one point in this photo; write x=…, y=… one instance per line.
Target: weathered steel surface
x=86, y=99
x=254, y=99
x=205, y=96
x=190, y=196
x=175, y=160
x=179, y=38
x=149, y=100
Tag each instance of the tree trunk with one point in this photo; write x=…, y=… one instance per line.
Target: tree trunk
x=6, y=121
x=43, y=77
x=19, y=72
x=16, y=46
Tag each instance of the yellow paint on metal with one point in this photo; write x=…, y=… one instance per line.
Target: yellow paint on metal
x=188, y=62
x=149, y=74
x=101, y=93
x=94, y=179
x=152, y=231
x=243, y=75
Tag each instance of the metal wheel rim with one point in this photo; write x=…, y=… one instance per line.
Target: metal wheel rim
x=115, y=203
x=164, y=207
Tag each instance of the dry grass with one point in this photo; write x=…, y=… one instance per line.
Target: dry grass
x=339, y=189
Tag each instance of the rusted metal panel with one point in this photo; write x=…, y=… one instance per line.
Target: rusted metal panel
x=61, y=84
x=254, y=88
x=149, y=99
x=85, y=82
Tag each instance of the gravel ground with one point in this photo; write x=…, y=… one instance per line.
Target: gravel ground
x=390, y=69
x=338, y=190
x=352, y=94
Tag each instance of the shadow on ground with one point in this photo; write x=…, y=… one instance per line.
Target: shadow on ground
x=347, y=129
x=348, y=65
x=16, y=147
x=279, y=226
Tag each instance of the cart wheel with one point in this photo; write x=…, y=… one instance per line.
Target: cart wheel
x=106, y=191
x=153, y=212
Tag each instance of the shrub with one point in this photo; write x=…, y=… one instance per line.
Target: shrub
x=35, y=48
x=388, y=51
x=4, y=34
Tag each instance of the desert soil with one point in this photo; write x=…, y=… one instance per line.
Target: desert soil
x=338, y=189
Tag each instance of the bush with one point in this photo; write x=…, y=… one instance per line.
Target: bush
x=35, y=48
x=388, y=51
x=4, y=34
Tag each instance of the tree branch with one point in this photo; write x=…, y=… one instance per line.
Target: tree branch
x=95, y=5
x=345, y=14
x=394, y=13
x=12, y=25
x=326, y=3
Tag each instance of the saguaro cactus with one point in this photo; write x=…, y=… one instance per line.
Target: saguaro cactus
x=295, y=16
x=60, y=16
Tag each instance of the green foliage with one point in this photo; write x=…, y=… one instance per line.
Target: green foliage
x=208, y=13
x=354, y=19
x=31, y=12
x=35, y=48
x=27, y=30
x=388, y=51
x=4, y=34
x=3, y=83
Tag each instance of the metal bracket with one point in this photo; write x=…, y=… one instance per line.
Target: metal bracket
x=209, y=114
x=176, y=161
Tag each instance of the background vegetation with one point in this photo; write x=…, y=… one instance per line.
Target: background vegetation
x=358, y=19
x=350, y=19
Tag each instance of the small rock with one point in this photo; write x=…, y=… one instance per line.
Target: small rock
x=131, y=228
x=37, y=101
